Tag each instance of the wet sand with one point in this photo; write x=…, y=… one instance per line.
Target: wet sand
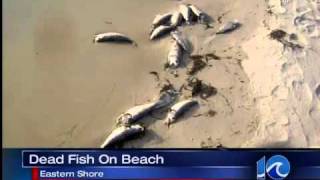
x=61, y=90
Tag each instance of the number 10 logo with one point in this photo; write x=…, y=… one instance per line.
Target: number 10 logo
x=277, y=167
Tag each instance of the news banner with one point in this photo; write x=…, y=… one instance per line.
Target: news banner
x=156, y=164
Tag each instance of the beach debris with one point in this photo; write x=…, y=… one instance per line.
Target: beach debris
x=160, y=31
x=220, y=146
x=113, y=37
x=207, y=91
x=198, y=88
x=161, y=19
x=278, y=34
x=207, y=57
x=229, y=27
x=186, y=13
x=121, y=134
x=196, y=56
x=176, y=19
x=197, y=65
x=168, y=86
x=155, y=74
x=183, y=42
x=211, y=113
x=293, y=37
x=178, y=109
x=175, y=55
x=287, y=40
x=210, y=56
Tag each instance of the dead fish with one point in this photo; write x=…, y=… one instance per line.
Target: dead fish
x=161, y=19
x=176, y=19
x=113, y=37
x=186, y=13
x=197, y=12
x=121, y=134
x=160, y=31
x=135, y=113
x=178, y=109
x=182, y=41
x=174, y=55
x=229, y=27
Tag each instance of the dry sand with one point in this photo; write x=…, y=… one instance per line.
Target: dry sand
x=61, y=90
x=286, y=82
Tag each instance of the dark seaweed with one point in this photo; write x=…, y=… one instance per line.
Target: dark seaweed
x=198, y=88
x=195, y=57
x=211, y=113
x=156, y=74
x=167, y=87
x=212, y=56
x=207, y=91
x=278, y=34
x=197, y=66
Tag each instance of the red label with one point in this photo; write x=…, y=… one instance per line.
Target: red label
x=35, y=173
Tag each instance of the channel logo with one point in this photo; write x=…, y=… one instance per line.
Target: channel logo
x=277, y=167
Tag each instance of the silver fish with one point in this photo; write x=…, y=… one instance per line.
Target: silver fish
x=197, y=12
x=121, y=134
x=175, y=55
x=229, y=27
x=112, y=37
x=178, y=109
x=135, y=113
x=161, y=19
x=176, y=19
x=186, y=13
x=183, y=42
x=160, y=31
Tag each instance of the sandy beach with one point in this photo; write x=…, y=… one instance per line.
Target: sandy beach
x=62, y=90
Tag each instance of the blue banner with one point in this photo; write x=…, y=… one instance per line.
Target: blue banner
x=37, y=164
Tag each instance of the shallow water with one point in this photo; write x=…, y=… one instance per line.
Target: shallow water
x=60, y=89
